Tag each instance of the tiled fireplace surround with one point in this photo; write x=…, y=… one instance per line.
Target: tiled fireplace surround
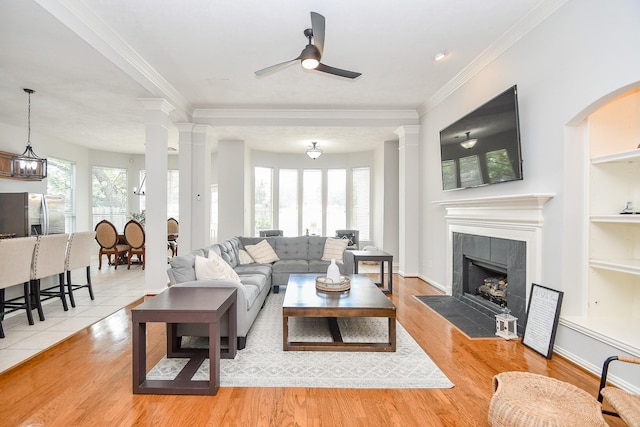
x=504, y=230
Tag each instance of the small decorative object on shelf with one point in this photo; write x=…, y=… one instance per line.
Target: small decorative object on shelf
x=323, y=283
x=506, y=325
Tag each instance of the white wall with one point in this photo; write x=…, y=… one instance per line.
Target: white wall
x=586, y=51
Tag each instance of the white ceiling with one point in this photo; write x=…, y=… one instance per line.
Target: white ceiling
x=91, y=61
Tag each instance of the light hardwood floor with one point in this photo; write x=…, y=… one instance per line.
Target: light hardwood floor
x=86, y=380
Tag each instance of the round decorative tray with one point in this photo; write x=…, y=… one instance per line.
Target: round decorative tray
x=325, y=284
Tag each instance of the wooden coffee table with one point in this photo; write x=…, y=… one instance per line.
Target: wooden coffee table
x=364, y=299
x=184, y=305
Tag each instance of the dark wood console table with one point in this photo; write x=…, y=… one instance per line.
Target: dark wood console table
x=185, y=305
x=379, y=256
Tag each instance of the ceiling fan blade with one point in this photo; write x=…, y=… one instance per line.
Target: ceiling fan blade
x=317, y=25
x=275, y=67
x=337, y=71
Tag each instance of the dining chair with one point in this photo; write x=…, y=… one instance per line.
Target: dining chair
x=48, y=260
x=78, y=256
x=172, y=235
x=16, y=256
x=107, y=238
x=134, y=235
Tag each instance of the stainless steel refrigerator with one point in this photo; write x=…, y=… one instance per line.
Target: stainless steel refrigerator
x=30, y=214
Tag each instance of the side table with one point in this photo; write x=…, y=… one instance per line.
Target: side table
x=185, y=305
x=381, y=257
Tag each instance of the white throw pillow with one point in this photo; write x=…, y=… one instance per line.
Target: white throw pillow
x=262, y=253
x=244, y=257
x=334, y=249
x=214, y=268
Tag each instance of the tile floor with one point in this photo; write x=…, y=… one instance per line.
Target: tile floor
x=113, y=290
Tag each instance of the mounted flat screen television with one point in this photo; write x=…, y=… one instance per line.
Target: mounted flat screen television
x=483, y=147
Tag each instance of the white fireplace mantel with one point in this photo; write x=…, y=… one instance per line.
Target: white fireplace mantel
x=516, y=217
x=522, y=209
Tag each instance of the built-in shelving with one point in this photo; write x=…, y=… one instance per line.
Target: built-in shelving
x=613, y=290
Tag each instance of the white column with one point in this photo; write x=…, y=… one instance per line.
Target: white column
x=185, y=159
x=156, y=159
x=233, y=186
x=409, y=200
x=201, y=186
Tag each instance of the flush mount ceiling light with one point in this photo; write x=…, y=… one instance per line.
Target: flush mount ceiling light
x=28, y=165
x=438, y=56
x=468, y=143
x=313, y=151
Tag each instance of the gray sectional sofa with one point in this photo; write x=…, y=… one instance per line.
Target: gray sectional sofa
x=297, y=255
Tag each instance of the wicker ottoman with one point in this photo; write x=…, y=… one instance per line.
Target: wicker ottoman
x=526, y=399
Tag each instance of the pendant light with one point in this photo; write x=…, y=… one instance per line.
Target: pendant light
x=28, y=165
x=468, y=143
x=314, y=152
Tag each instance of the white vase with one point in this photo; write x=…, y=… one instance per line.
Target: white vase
x=333, y=272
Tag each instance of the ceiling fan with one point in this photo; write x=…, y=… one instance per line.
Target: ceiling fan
x=311, y=54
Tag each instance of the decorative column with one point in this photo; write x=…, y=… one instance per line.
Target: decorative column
x=157, y=112
x=201, y=187
x=185, y=159
x=409, y=200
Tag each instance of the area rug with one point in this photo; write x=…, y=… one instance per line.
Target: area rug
x=263, y=363
x=468, y=320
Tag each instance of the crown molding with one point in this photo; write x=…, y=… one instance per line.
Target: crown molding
x=89, y=27
x=497, y=48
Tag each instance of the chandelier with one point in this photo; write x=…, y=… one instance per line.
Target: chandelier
x=468, y=143
x=313, y=151
x=28, y=165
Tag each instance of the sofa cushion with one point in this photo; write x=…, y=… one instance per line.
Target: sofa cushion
x=253, y=284
x=262, y=252
x=182, y=267
x=316, y=247
x=318, y=266
x=291, y=266
x=214, y=267
x=263, y=269
x=334, y=249
x=292, y=248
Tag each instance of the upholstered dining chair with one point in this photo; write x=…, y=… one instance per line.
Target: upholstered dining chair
x=173, y=230
x=271, y=233
x=16, y=256
x=78, y=256
x=134, y=235
x=107, y=238
x=352, y=235
x=48, y=260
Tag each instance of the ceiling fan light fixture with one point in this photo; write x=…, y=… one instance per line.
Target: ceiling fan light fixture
x=28, y=165
x=310, y=57
x=469, y=142
x=313, y=151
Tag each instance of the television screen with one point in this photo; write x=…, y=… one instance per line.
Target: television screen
x=483, y=147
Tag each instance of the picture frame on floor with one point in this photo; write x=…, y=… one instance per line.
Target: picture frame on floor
x=541, y=324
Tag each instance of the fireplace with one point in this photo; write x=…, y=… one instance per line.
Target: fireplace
x=489, y=274
x=495, y=232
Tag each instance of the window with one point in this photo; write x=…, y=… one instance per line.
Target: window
x=288, y=202
x=312, y=201
x=449, y=175
x=304, y=206
x=263, y=199
x=109, y=189
x=61, y=177
x=360, y=205
x=336, y=200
